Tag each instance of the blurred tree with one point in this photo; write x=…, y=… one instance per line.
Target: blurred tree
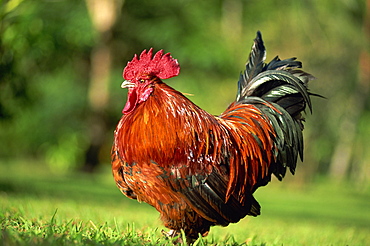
x=44, y=45
x=61, y=64
x=13, y=90
x=344, y=156
x=103, y=15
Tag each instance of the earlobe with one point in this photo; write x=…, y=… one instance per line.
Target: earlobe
x=145, y=94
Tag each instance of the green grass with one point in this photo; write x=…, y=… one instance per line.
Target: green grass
x=42, y=208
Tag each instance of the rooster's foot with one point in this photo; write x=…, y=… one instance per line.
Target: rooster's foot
x=174, y=235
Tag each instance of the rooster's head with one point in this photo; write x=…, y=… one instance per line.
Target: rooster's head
x=140, y=74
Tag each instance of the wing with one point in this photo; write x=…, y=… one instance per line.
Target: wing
x=253, y=136
x=218, y=182
x=206, y=192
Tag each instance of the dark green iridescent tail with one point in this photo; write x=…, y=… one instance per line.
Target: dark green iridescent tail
x=284, y=87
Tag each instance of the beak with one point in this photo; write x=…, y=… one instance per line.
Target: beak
x=127, y=84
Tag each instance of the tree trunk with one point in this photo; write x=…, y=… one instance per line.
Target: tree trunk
x=103, y=15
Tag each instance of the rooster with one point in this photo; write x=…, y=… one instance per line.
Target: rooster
x=199, y=170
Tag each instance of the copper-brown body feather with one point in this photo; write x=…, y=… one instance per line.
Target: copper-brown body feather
x=200, y=170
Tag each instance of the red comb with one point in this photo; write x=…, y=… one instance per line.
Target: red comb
x=161, y=65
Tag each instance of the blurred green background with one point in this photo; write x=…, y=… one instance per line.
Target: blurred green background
x=61, y=69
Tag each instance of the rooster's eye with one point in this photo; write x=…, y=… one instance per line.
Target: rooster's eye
x=141, y=80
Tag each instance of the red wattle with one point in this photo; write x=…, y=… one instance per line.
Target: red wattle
x=132, y=100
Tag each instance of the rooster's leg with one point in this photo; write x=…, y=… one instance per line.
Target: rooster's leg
x=171, y=233
x=174, y=234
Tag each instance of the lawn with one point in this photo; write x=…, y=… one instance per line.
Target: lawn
x=39, y=207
